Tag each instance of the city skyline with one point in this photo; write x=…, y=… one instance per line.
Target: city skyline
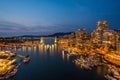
x=50, y=16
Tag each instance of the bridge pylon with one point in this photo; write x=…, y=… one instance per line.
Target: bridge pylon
x=42, y=40
x=55, y=40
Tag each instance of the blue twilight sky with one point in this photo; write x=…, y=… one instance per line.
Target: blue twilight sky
x=18, y=17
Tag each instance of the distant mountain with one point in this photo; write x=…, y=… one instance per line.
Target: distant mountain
x=60, y=34
x=52, y=35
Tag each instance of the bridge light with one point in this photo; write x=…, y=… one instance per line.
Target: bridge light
x=55, y=40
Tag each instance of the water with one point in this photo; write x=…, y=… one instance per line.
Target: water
x=48, y=63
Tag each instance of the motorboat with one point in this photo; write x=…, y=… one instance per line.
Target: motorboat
x=26, y=59
x=11, y=74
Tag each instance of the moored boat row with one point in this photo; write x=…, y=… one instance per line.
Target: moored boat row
x=9, y=65
x=88, y=61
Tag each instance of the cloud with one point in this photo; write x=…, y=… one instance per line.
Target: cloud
x=12, y=27
x=6, y=26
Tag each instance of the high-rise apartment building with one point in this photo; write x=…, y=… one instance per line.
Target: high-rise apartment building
x=102, y=35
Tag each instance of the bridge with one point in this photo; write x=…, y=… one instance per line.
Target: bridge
x=44, y=38
x=39, y=40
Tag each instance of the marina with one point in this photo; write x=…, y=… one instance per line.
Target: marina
x=43, y=53
x=10, y=69
x=59, y=39
x=44, y=58
x=90, y=60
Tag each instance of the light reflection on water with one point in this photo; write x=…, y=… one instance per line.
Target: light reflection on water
x=49, y=63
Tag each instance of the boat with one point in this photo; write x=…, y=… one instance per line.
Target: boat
x=26, y=59
x=110, y=77
x=11, y=74
x=2, y=78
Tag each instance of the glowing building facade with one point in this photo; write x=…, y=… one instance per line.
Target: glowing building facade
x=81, y=36
x=102, y=35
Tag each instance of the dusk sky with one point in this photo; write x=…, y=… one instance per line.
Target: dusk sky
x=19, y=17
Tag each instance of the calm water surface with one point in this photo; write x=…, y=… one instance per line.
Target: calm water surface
x=48, y=63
